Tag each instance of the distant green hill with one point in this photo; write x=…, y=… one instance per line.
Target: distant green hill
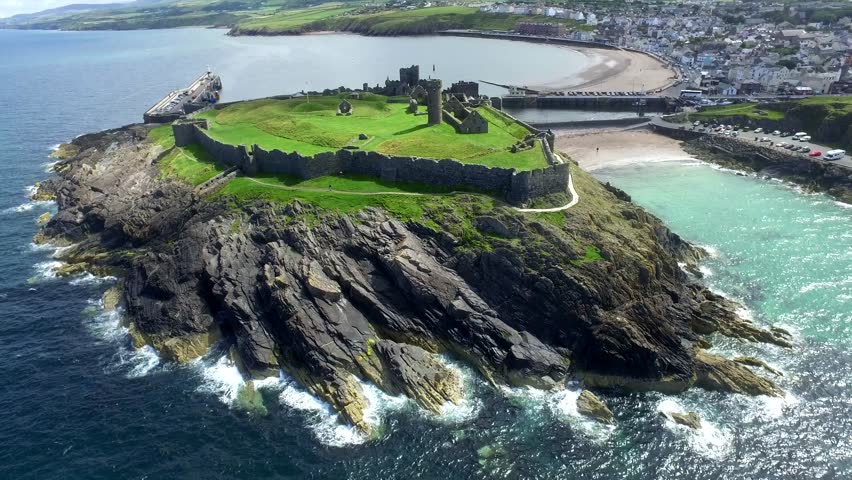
x=269, y=17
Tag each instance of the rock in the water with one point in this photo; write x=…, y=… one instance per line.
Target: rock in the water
x=590, y=405
x=689, y=419
x=43, y=218
x=756, y=362
x=717, y=373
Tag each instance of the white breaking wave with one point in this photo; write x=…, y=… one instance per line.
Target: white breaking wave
x=89, y=279
x=562, y=404
x=221, y=378
x=708, y=440
x=46, y=270
x=107, y=326
x=26, y=207
x=706, y=271
x=469, y=406
x=745, y=313
x=711, y=250
x=47, y=167
x=820, y=285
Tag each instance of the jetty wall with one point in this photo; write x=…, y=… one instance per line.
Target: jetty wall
x=517, y=187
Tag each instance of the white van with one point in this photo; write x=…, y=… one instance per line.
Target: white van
x=799, y=135
x=834, y=155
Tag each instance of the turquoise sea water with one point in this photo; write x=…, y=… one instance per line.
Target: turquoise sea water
x=787, y=254
x=77, y=402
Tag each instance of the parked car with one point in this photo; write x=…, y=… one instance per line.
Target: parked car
x=780, y=145
x=806, y=138
x=776, y=132
x=804, y=149
x=785, y=134
x=765, y=140
x=815, y=153
x=834, y=154
x=758, y=130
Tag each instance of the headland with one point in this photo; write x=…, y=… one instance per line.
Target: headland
x=349, y=276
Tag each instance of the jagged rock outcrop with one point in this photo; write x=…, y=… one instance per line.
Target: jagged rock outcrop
x=590, y=405
x=717, y=373
x=689, y=419
x=338, y=299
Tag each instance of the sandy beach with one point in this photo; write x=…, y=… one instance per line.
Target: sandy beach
x=615, y=70
x=596, y=149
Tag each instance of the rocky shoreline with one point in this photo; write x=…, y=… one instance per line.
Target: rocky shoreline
x=338, y=298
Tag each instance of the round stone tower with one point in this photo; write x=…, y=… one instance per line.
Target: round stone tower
x=434, y=100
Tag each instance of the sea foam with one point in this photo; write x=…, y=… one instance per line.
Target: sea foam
x=708, y=440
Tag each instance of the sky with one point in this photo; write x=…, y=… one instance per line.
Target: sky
x=14, y=7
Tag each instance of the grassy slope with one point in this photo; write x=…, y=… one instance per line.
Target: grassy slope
x=190, y=164
x=313, y=127
x=291, y=21
x=748, y=110
x=393, y=22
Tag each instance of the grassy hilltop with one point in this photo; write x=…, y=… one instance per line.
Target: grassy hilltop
x=311, y=126
x=333, y=17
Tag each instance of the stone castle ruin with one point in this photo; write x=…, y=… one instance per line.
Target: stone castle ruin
x=463, y=119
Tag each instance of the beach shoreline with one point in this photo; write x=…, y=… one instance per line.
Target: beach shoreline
x=596, y=149
x=614, y=70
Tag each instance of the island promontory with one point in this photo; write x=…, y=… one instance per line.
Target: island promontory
x=368, y=235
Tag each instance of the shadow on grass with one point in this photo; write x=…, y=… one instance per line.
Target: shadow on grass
x=411, y=130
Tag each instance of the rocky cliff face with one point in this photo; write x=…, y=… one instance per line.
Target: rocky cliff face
x=595, y=293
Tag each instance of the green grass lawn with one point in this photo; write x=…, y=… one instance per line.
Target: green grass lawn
x=312, y=126
x=356, y=184
x=162, y=136
x=190, y=164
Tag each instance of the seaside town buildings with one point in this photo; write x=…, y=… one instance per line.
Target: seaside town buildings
x=734, y=48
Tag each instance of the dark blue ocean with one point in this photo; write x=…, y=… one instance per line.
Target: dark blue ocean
x=77, y=402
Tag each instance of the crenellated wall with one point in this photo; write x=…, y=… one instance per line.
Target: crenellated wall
x=516, y=187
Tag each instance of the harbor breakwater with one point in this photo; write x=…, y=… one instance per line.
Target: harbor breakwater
x=516, y=187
